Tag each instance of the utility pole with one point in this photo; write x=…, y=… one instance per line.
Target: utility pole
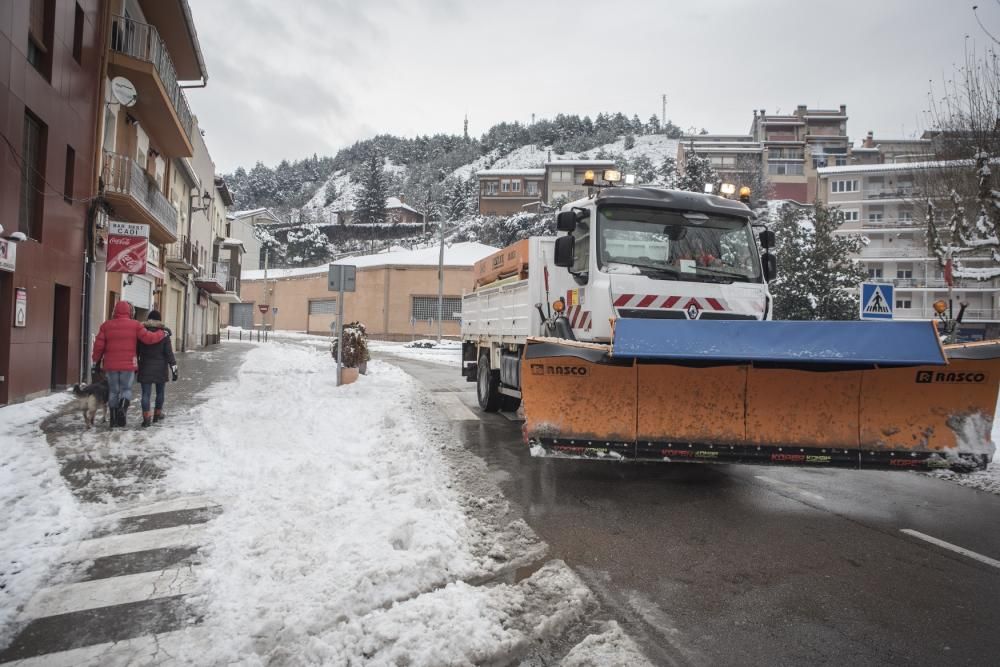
x=440, y=277
x=267, y=255
x=663, y=121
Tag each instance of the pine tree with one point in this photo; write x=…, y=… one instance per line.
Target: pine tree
x=653, y=127
x=629, y=141
x=307, y=246
x=667, y=174
x=817, y=276
x=698, y=172
x=371, y=205
x=455, y=198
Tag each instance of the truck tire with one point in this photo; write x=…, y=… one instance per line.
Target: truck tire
x=509, y=403
x=487, y=385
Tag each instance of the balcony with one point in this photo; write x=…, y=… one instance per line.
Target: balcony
x=912, y=251
x=182, y=257
x=940, y=284
x=135, y=197
x=223, y=287
x=139, y=54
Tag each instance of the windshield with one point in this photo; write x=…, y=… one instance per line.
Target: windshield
x=676, y=245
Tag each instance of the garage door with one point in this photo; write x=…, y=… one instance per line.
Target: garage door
x=241, y=315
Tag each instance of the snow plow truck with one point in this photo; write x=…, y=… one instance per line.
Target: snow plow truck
x=643, y=332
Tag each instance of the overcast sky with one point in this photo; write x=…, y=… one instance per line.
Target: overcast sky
x=290, y=79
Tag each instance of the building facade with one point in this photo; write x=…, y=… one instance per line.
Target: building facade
x=49, y=102
x=396, y=297
x=735, y=157
x=147, y=175
x=884, y=203
x=509, y=191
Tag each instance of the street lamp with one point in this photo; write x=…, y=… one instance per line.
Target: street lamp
x=206, y=201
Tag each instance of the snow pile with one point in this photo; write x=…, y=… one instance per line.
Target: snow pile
x=340, y=507
x=448, y=353
x=985, y=480
x=38, y=515
x=610, y=648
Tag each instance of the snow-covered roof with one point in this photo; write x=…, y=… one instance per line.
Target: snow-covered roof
x=580, y=163
x=510, y=172
x=230, y=242
x=458, y=254
x=253, y=213
x=895, y=166
x=395, y=202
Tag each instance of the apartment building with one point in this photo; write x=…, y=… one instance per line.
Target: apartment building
x=883, y=202
x=564, y=178
x=49, y=102
x=241, y=228
x=509, y=191
x=796, y=145
x=147, y=174
x=733, y=156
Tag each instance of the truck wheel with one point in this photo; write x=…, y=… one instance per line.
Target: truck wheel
x=509, y=403
x=487, y=385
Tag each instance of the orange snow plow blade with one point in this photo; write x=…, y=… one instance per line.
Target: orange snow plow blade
x=587, y=401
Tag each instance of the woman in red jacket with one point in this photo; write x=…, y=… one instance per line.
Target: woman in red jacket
x=115, y=350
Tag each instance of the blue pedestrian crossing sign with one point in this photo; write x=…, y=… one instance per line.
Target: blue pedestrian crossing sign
x=876, y=301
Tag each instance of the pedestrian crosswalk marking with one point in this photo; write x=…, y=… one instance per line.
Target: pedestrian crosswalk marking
x=163, y=538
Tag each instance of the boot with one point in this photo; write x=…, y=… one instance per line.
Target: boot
x=147, y=419
x=158, y=415
x=112, y=417
x=122, y=412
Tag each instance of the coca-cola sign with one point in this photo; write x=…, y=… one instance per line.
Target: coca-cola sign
x=127, y=248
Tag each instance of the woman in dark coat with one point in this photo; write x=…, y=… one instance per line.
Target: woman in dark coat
x=156, y=361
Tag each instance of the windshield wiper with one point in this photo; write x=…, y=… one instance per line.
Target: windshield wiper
x=656, y=269
x=742, y=277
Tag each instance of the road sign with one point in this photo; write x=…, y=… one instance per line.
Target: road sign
x=341, y=278
x=263, y=308
x=877, y=301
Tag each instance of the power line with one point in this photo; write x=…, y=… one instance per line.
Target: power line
x=22, y=166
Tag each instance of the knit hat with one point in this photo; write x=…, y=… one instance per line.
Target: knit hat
x=153, y=315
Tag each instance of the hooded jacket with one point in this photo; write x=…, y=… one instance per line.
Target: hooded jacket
x=155, y=360
x=118, y=339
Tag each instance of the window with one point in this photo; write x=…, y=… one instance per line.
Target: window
x=78, y=35
x=515, y=185
x=904, y=273
x=40, y=36
x=784, y=169
x=874, y=217
x=70, y=173
x=844, y=186
x=426, y=308
x=489, y=188
x=531, y=188
x=841, y=161
x=850, y=215
x=905, y=216
x=32, y=182
x=323, y=307
x=505, y=185
x=874, y=272
x=904, y=303
x=562, y=175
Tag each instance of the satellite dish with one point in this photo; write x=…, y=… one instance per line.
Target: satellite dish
x=123, y=92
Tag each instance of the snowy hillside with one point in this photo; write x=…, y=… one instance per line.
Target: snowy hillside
x=655, y=147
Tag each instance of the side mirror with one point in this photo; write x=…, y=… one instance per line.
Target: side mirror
x=770, y=265
x=566, y=221
x=565, y=246
x=766, y=239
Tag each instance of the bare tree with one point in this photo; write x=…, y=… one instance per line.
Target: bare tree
x=958, y=190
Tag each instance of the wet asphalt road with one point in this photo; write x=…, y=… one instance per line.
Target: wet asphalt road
x=738, y=565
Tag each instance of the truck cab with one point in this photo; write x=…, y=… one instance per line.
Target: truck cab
x=644, y=252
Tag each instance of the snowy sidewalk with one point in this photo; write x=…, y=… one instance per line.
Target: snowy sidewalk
x=283, y=520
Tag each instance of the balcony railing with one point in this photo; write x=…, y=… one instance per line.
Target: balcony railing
x=183, y=252
x=980, y=315
x=904, y=192
x=938, y=283
x=123, y=176
x=142, y=42
x=900, y=251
